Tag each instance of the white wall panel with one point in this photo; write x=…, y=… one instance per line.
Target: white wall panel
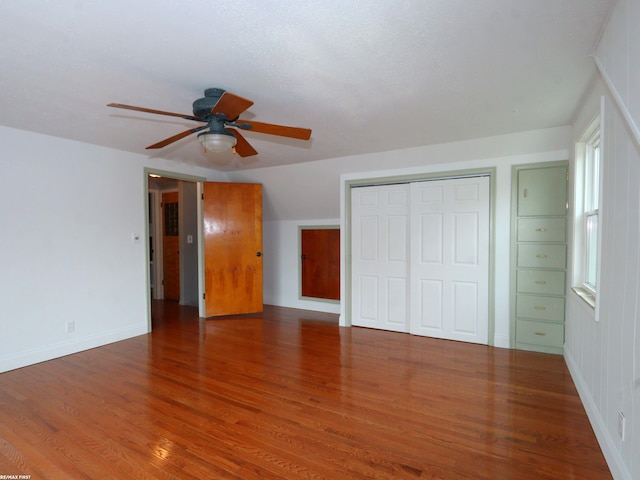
x=281, y=265
x=604, y=353
x=69, y=212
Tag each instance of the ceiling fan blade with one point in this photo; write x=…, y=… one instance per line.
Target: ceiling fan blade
x=231, y=105
x=282, y=130
x=243, y=148
x=177, y=137
x=150, y=110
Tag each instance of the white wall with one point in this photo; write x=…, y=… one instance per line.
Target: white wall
x=309, y=193
x=604, y=356
x=282, y=266
x=188, y=220
x=311, y=190
x=66, y=254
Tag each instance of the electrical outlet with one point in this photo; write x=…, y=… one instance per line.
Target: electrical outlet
x=70, y=327
x=621, y=425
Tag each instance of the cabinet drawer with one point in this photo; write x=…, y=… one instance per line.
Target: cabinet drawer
x=540, y=333
x=542, y=229
x=542, y=256
x=540, y=308
x=545, y=282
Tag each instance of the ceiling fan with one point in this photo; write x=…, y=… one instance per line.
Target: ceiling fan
x=220, y=110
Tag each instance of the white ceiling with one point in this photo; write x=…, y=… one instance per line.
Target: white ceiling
x=364, y=76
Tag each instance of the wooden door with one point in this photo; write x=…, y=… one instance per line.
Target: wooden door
x=232, y=248
x=320, y=252
x=380, y=257
x=450, y=259
x=170, y=246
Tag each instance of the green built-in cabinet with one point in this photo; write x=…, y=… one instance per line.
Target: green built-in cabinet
x=539, y=256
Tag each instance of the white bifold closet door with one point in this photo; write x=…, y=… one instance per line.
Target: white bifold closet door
x=420, y=258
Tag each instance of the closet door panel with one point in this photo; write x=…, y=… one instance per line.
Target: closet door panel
x=454, y=251
x=379, y=250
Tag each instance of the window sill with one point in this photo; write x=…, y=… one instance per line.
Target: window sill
x=585, y=295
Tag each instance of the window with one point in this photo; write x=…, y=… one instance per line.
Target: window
x=591, y=199
x=588, y=172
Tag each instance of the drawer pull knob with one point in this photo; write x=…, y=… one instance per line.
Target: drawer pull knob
x=526, y=192
x=540, y=334
x=541, y=255
x=540, y=308
x=541, y=229
x=540, y=282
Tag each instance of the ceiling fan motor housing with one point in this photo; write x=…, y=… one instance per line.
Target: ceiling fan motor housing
x=202, y=106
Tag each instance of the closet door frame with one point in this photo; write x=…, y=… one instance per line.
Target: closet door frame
x=346, y=293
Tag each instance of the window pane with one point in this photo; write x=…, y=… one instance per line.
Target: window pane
x=592, y=250
x=595, y=180
x=592, y=174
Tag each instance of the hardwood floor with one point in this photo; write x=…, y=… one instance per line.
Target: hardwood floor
x=291, y=395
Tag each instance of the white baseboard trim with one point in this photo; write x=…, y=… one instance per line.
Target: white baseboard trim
x=325, y=306
x=58, y=350
x=501, y=341
x=607, y=445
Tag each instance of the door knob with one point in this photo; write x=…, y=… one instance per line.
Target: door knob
x=258, y=254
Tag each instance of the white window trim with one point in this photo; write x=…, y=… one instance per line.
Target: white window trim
x=591, y=135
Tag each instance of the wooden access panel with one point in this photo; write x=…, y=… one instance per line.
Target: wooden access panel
x=170, y=246
x=232, y=248
x=320, y=251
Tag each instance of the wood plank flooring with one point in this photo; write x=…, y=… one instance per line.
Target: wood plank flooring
x=289, y=395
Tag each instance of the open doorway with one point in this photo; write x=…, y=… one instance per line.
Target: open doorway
x=175, y=219
x=193, y=222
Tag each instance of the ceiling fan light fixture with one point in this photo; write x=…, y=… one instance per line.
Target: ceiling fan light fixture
x=217, y=142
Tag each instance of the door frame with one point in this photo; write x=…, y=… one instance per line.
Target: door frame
x=345, y=234
x=176, y=176
x=156, y=269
